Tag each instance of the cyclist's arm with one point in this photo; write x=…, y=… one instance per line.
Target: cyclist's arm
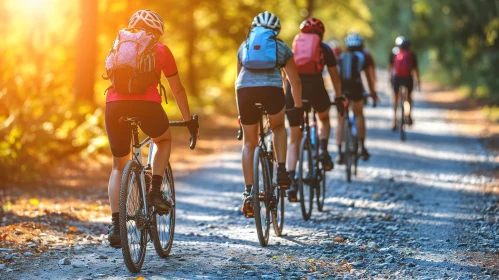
x=180, y=95
x=335, y=78
x=370, y=83
x=294, y=80
x=239, y=66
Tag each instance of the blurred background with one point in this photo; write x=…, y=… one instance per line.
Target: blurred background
x=52, y=58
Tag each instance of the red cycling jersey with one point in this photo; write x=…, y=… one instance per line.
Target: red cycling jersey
x=165, y=62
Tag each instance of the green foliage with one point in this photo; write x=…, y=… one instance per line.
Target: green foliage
x=458, y=39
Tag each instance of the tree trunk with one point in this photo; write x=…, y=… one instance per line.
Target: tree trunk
x=87, y=53
x=191, y=52
x=310, y=7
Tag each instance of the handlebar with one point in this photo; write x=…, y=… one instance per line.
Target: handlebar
x=194, y=138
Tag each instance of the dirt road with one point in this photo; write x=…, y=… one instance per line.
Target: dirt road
x=420, y=209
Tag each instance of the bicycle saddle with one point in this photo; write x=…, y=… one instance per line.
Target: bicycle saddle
x=130, y=121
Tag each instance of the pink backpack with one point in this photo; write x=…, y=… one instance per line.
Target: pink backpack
x=308, y=54
x=403, y=63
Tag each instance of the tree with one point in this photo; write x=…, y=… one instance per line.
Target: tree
x=87, y=53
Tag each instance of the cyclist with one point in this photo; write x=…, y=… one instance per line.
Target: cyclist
x=351, y=63
x=264, y=86
x=154, y=122
x=402, y=65
x=313, y=90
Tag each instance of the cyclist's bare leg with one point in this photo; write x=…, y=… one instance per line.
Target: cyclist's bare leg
x=396, y=97
x=294, y=146
x=339, y=130
x=280, y=147
x=358, y=111
x=279, y=134
x=163, y=149
x=113, y=187
x=250, y=138
x=325, y=126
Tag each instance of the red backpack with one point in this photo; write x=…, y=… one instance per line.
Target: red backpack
x=308, y=54
x=403, y=63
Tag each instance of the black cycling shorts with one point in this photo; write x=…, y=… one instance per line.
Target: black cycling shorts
x=314, y=92
x=272, y=98
x=153, y=119
x=408, y=82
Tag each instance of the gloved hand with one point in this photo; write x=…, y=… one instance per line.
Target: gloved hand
x=340, y=105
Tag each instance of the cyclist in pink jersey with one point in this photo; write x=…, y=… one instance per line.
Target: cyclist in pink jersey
x=154, y=122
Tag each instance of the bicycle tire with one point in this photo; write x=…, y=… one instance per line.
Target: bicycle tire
x=261, y=188
x=321, y=191
x=278, y=213
x=355, y=155
x=402, y=110
x=133, y=259
x=305, y=184
x=348, y=149
x=166, y=223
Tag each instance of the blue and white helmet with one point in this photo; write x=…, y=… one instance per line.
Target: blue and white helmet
x=402, y=42
x=267, y=20
x=354, y=40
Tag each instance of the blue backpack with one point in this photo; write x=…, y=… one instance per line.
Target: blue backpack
x=261, y=49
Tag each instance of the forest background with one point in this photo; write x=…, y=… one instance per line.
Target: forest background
x=53, y=51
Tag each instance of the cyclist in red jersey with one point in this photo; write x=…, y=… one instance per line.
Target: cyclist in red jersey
x=403, y=65
x=154, y=122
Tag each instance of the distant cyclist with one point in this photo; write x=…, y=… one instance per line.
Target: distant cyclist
x=403, y=64
x=311, y=55
x=124, y=98
x=335, y=45
x=260, y=60
x=351, y=63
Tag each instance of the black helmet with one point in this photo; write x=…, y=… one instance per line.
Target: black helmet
x=402, y=42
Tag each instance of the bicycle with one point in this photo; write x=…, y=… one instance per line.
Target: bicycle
x=351, y=141
x=266, y=195
x=139, y=219
x=405, y=109
x=310, y=172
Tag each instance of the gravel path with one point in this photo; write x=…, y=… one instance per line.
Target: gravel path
x=416, y=210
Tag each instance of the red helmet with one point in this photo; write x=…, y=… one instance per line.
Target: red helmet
x=312, y=25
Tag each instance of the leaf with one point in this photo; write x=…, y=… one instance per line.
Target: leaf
x=34, y=201
x=274, y=257
x=140, y=278
x=310, y=260
x=376, y=195
x=339, y=239
x=72, y=229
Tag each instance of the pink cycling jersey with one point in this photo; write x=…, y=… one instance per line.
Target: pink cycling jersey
x=165, y=62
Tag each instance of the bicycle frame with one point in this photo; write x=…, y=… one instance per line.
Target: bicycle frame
x=307, y=134
x=137, y=156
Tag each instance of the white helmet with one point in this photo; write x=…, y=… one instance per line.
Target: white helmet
x=149, y=18
x=354, y=40
x=267, y=20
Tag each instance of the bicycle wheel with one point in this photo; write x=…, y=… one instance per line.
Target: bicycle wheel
x=278, y=211
x=261, y=194
x=402, y=115
x=305, y=178
x=347, y=135
x=321, y=190
x=355, y=154
x=132, y=218
x=163, y=226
